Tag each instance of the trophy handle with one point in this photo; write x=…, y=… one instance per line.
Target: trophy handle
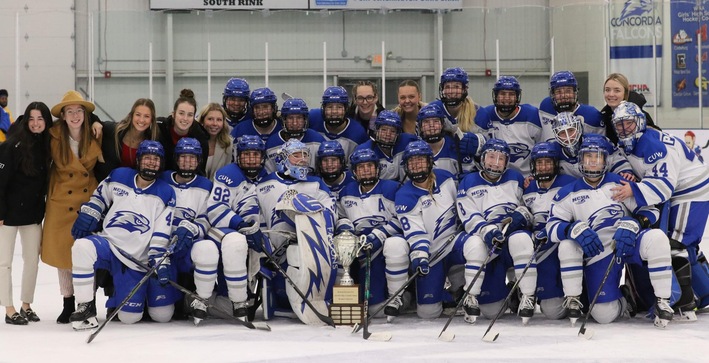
x=362, y=240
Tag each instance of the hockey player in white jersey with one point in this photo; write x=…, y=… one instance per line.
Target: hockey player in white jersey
x=331, y=167
x=233, y=212
x=517, y=124
x=389, y=144
x=136, y=210
x=486, y=201
x=671, y=173
x=332, y=123
x=538, y=197
x=563, y=97
x=593, y=231
x=309, y=258
x=264, y=109
x=196, y=256
x=294, y=114
x=367, y=208
x=425, y=205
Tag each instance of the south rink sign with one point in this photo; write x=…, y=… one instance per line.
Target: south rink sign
x=303, y=4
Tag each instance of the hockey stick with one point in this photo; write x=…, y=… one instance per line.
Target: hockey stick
x=285, y=96
x=583, y=332
x=140, y=283
x=382, y=337
x=222, y=313
x=447, y=336
x=492, y=336
x=325, y=319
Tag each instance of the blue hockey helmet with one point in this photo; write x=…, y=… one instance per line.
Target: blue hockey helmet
x=330, y=148
x=188, y=146
x=362, y=156
x=250, y=167
x=387, y=118
x=491, y=166
x=286, y=167
x=506, y=83
x=629, y=123
x=294, y=106
x=430, y=111
x=238, y=88
x=594, y=146
x=456, y=74
x=563, y=79
x=150, y=147
x=264, y=95
x=417, y=148
x=542, y=150
x=568, y=129
x=335, y=94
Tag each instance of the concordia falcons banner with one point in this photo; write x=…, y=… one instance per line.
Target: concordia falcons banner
x=632, y=26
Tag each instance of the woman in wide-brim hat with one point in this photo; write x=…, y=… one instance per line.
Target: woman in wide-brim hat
x=71, y=182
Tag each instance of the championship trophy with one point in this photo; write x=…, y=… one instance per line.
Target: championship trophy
x=346, y=308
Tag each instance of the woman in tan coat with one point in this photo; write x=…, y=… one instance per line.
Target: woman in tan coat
x=74, y=154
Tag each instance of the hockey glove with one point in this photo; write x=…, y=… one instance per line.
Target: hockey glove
x=540, y=237
x=492, y=236
x=470, y=143
x=586, y=238
x=375, y=240
x=419, y=260
x=625, y=236
x=186, y=232
x=520, y=218
x=86, y=222
x=163, y=271
x=255, y=240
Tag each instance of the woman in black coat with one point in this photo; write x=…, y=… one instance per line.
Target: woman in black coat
x=181, y=123
x=24, y=165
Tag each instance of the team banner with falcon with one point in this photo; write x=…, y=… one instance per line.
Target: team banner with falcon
x=689, y=21
x=633, y=23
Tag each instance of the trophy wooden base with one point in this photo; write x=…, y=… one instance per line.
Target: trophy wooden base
x=346, y=308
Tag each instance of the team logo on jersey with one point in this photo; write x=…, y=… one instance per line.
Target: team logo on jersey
x=120, y=192
x=130, y=221
x=266, y=188
x=444, y=222
x=182, y=214
x=498, y=212
x=580, y=199
x=518, y=151
x=350, y=203
x=369, y=221
x=478, y=193
x=224, y=178
x=605, y=217
x=426, y=203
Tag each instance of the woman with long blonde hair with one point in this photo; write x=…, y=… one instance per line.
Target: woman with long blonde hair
x=214, y=120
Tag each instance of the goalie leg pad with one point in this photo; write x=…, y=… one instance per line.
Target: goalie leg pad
x=700, y=276
x=683, y=271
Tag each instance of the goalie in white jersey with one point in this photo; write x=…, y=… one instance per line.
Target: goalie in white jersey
x=136, y=210
x=367, y=207
x=595, y=232
x=425, y=205
x=488, y=200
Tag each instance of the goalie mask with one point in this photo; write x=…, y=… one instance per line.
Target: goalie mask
x=387, y=129
x=494, y=158
x=418, y=161
x=334, y=105
x=294, y=114
x=149, y=168
x=544, y=161
x=593, y=156
x=365, y=166
x=261, y=99
x=188, y=155
x=507, y=102
x=568, y=129
x=250, y=155
x=563, y=91
x=430, y=123
x=293, y=159
x=330, y=160
x=453, y=88
x=629, y=123
x=235, y=98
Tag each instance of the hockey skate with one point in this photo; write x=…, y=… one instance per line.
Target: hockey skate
x=392, y=309
x=471, y=309
x=84, y=317
x=527, y=304
x=632, y=308
x=199, y=311
x=663, y=312
x=686, y=315
x=241, y=309
x=573, y=306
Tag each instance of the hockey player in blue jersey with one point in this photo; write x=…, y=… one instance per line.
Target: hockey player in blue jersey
x=367, y=208
x=331, y=167
x=330, y=120
x=517, y=124
x=389, y=144
x=264, y=110
x=446, y=153
x=671, y=173
x=196, y=256
x=136, y=210
x=300, y=241
x=486, y=201
x=593, y=231
x=461, y=112
x=544, y=164
x=235, y=100
x=563, y=97
x=425, y=205
x=294, y=114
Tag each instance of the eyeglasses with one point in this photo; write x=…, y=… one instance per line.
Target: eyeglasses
x=369, y=98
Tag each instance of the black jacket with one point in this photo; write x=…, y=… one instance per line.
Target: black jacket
x=198, y=132
x=607, y=116
x=22, y=197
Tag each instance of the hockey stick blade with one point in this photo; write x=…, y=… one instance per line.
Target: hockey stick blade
x=491, y=336
x=586, y=333
x=446, y=336
x=378, y=337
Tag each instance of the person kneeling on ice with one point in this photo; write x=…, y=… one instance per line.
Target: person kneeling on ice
x=487, y=201
x=591, y=227
x=299, y=215
x=136, y=210
x=426, y=208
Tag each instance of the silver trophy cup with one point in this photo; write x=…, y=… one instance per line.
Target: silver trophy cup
x=347, y=247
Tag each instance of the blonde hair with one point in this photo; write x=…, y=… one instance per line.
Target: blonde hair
x=466, y=116
x=620, y=78
x=223, y=138
x=84, y=143
x=127, y=123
